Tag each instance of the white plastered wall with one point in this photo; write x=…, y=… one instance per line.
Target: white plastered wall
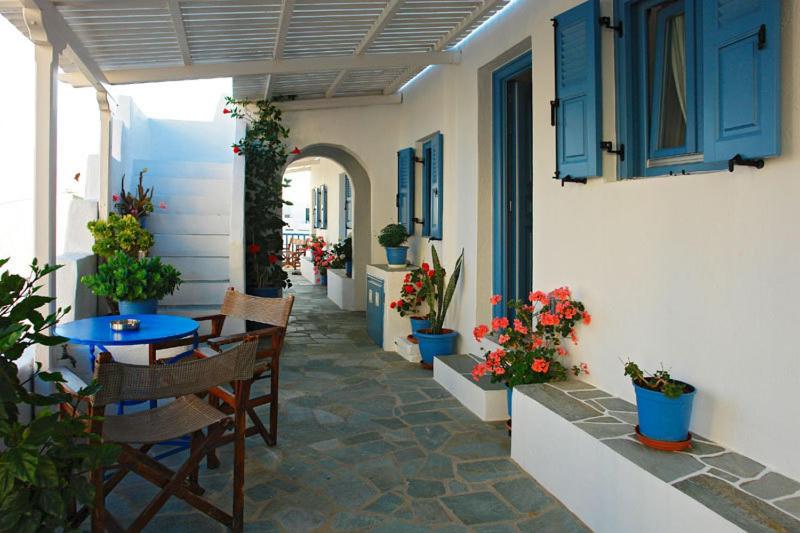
x=698, y=272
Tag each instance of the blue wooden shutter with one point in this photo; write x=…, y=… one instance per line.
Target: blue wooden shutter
x=348, y=204
x=405, y=189
x=324, y=192
x=315, y=206
x=437, y=189
x=426, y=189
x=741, y=73
x=577, y=108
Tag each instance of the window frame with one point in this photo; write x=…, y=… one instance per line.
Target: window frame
x=427, y=166
x=632, y=92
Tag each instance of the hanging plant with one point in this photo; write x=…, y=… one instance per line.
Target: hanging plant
x=265, y=158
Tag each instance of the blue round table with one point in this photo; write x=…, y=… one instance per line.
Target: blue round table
x=96, y=332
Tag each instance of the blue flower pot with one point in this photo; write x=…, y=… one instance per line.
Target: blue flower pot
x=418, y=323
x=397, y=255
x=348, y=269
x=323, y=279
x=139, y=307
x=432, y=345
x=663, y=418
x=509, y=394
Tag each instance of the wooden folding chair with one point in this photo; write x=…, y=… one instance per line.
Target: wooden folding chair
x=273, y=314
x=187, y=414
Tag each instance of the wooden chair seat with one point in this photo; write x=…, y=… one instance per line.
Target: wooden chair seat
x=183, y=416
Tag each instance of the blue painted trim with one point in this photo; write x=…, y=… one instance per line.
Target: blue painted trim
x=500, y=239
x=437, y=187
x=427, y=153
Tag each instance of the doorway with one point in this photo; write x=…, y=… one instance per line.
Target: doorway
x=512, y=181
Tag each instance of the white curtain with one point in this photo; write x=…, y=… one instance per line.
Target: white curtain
x=678, y=59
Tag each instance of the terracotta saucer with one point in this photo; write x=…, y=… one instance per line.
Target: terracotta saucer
x=426, y=366
x=412, y=339
x=665, y=445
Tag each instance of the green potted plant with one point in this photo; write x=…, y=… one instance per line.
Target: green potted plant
x=413, y=295
x=265, y=158
x=44, y=461
x=119, y=233
x=664, y=406
x=532, y=340
x=436, y=340
x=392, y=237
x=135, y=284
x=138, y=205
x=342, y=256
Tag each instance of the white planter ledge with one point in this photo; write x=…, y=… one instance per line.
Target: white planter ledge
x=487, y=400
x=307, y=269
x=341, y=289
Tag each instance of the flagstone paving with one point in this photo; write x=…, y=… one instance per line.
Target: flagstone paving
x=367, y=442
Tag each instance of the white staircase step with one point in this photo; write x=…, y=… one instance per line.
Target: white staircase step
x=194, y=204
x=200, y=268
x=171, y=186
x=204, y=293
x=166, y=222
x=182, y=169
x=190, y=245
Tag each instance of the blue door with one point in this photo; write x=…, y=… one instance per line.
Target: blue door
x=375, y=308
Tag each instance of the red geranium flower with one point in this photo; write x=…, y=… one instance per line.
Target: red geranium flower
x=540, y=365
x=272, y=259
x=425, y=267
x=254, y=248
x=494, y=300
x=480, y=332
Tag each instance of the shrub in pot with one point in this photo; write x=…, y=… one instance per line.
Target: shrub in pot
x=664, y=405
x=413, y=295
x=392, y=238
x=136, y=284
x=44, y=460
x=119, y=233
x=533, y=340
x=138, y=205
x=436, y=340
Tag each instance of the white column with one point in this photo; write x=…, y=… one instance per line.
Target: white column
x=104, y=201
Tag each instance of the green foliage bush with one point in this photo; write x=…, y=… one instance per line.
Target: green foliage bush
x=119, y=233
x=43, y=462
x=123, y=278
x=392, y=236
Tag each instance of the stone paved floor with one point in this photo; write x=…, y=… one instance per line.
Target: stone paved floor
x=367, y=442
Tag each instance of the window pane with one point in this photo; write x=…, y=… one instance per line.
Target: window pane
x=673, y=96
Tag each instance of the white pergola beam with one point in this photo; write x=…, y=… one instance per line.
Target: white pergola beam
x=342, y=101
x=280, y=41
x=374, y=32
x=445, y=41
x=60, y=34
x=180, y=31
x=276, y=66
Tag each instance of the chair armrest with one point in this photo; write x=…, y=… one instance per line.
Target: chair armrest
x=271, y=331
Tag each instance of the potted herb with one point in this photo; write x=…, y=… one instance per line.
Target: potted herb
x=265, y=158
x=532, y=342
x=136, y=284
x=664, y=405
x=413, y=295
x=392, y=238
x=436, y=340
x=43, y=462
x=120, y=233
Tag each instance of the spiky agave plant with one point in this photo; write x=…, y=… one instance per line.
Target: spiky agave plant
x=439, y=296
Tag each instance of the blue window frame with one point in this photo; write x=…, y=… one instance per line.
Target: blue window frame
x=432, y=187
x=698, y=82
x=426, y=188
x=512, y=184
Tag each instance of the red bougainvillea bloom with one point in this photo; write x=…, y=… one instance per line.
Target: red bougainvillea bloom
x=540, y=365
x=272, y=259
x=226, y=111
x=115, y=197
x=496, y=299
x=480, y=332
x=562, y=293
x=587, y=318
x=235, y=149
x=162, y=205
x=425, y=267
x=519, y=327
x=254, y=248
x=500, y=323
x=502, y=339
x=408, y=289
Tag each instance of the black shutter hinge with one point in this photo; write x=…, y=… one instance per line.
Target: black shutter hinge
x=741, y=161
x=419, y=160
x=568, y=179
x=553, y=111
x=606, y=23
x=397, y=200
x=762, y=37
x=608, y=146
x=555, y=22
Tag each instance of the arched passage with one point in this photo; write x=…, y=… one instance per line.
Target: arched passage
x=361, y=209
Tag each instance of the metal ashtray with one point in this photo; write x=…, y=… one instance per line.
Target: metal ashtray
x=127, y=324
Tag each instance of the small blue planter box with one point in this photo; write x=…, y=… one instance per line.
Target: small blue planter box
x=663, y=418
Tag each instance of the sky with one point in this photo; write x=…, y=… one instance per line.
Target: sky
x=78, y=138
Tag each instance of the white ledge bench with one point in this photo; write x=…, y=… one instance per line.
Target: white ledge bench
x=579, y=443
x=487, y=400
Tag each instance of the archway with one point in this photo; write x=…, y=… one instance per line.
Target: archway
x=362, y=197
